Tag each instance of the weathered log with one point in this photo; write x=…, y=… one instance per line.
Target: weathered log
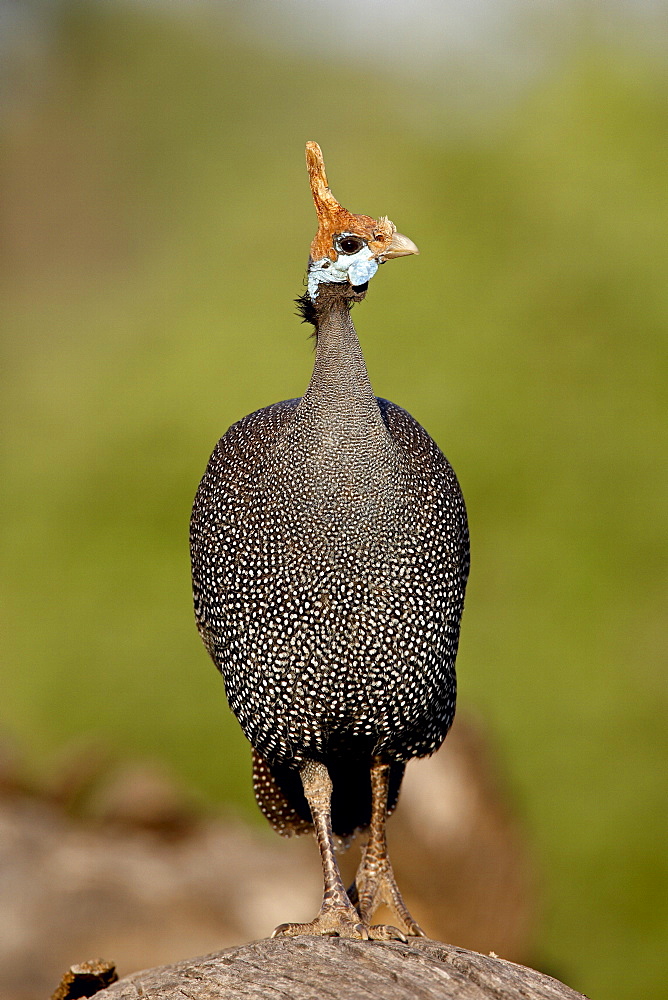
x=311, y=968
x=117, y=861
x=85, y=980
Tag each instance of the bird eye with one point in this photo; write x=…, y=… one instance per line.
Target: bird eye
x=349, y=244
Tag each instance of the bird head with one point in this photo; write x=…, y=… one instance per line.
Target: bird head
x=347, y=248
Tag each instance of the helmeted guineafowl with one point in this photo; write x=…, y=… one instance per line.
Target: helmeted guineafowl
x=330, y=554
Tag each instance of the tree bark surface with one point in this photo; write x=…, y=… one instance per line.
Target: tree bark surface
x=314, y=968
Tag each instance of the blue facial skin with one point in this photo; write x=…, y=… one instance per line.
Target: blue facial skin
x=358, y=269
x=362, y=271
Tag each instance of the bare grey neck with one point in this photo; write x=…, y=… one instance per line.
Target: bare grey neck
x=340, y=392
x=335, y=455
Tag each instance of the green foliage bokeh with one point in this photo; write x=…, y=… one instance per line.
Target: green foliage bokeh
x=157, y=222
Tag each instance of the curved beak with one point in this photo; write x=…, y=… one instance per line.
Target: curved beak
x=400, y=246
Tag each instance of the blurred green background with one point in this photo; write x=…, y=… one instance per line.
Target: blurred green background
x=156, y=222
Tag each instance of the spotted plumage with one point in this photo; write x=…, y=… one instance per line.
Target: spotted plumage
x=330, y=555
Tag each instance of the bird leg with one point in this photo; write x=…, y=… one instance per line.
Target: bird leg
x=338, y=917
x=375, y=882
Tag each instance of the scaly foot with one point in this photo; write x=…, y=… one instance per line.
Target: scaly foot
x=385, y=932
x=332, y=921
x=375, y=884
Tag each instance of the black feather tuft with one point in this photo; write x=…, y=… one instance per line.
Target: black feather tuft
x=305, y=309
